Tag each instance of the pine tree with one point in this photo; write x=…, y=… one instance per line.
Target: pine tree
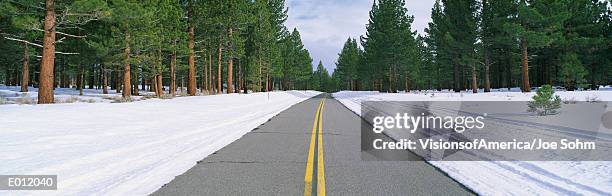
x=498, y=46
x=348, y=62
x=461, y=37
x=438, y=47
x=321, y=80
x=538, y=26
x=127, y=17
x=191, y=84
x=58, y=18
x=301, y=63
x=389, y=45
x=584, y=43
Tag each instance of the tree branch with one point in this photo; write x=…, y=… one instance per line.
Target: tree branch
x=67, y=53
x=23, y=41
x=65, y=34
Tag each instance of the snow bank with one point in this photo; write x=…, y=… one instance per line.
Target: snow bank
x=127, y=148
x=509, y=177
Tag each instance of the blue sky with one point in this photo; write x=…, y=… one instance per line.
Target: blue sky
x=326, y=24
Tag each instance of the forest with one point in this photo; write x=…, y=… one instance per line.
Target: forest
x=205, y=47
x=196, y=47
x=471, y=45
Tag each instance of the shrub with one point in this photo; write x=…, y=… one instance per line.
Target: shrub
x=545, y=102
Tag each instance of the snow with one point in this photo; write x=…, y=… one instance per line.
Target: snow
x=126, y=148
x=509, y=177
x=12, y=95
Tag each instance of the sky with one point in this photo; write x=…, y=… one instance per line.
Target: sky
x=326, y=24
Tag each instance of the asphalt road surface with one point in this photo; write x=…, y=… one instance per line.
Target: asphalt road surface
x=278, y=157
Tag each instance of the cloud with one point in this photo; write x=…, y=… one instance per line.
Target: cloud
x=326, y=24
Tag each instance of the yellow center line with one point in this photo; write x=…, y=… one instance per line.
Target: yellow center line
x=311, y=150
x=320, y=158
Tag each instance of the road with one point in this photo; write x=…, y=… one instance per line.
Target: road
x=278, y=157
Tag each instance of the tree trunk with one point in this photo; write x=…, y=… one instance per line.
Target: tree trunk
x=230, y=65
x=126, y=67
x=134, y=86
x=45, y=92
x=99, y=81
x=113, y=78
x=173, y=72
x=104, y=80
x=92, y=77
x=160, y=85
x=219, y=87
x=474, y=82
x=260, y=75
x=7, y=78
x=209, y=83
x=407, y=83
x=81, y=78
x=63, y=82
x=240, y=78
x=153, y=87
x=25, y=74
x=267, y=81
x=204, y=80
x=54, y=78
x=182, y=84
x=487, y=87
x=143, y=85
x=525, y=68
x=191, y=85
x=79, y=81
x=16, y=78
x=456, y=80
x=117, y=83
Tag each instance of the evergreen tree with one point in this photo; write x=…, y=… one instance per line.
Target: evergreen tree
x=321, y=80
x=348, y=62
x=59, y=19
x=461, y=37
x=438, y=48
x=584, y=44
x=389, y=45
x=565, y=41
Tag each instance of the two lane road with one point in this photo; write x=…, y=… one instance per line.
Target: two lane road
x=318, y=137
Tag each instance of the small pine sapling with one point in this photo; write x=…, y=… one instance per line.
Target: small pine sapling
x=545, y=102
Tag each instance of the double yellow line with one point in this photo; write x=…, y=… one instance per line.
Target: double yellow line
x=317, y=133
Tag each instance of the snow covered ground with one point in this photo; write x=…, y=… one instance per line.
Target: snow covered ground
x=12, y=95
x=126, y=148
x=510, y=177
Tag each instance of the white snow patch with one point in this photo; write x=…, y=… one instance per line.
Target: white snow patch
x=127, y=148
